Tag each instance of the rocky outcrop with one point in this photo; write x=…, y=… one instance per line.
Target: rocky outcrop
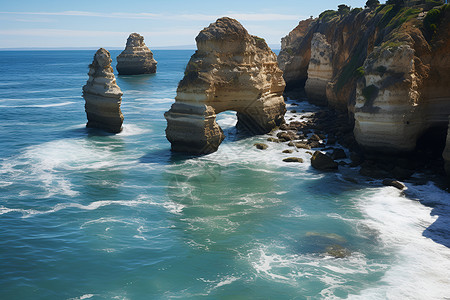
x=446, y=153
x=388, y=68
x=296, y=52
x=136, y=58
x=103, y=96
x=320, y=70
x=231, y=70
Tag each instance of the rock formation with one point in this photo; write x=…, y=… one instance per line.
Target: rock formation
x=388, y=67
x=103, y=96
x=136, y=58
x=320, y=71
x=231, y=70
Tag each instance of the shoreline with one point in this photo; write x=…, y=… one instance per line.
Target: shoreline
x=417, y=167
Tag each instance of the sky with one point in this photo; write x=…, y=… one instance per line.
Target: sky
x=163, y=23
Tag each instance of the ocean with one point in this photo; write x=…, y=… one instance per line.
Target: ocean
x=90, y=215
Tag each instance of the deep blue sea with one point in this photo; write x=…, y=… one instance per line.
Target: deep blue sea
x=90, y=215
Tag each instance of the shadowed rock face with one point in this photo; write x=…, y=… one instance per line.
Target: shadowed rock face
x=103, y=96
x=136, y=58
x=382, y=66
x=231, y=70
x=446, y=153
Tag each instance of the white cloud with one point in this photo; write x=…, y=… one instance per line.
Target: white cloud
x=191, y=17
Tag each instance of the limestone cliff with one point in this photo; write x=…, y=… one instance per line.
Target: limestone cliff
x=320, y=71
x=388, y=67
x=102, y=95
x=231, y=70
x=136, y=58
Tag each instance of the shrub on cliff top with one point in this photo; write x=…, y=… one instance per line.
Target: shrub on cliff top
x=328, y=15
x=372, y=4
x=433, y=19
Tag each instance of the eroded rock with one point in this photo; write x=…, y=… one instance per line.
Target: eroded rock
x=323, y=162
x=136, y=58
x=231, y=70
x=102, y=95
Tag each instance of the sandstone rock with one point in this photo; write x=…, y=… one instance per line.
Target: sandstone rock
x=286, y=136
x=287, y=151
x=320, y=70
x=261, y=146
x=302, y=145
x=231, y=70
x=273, y=140
x=394, y=183
x=293, y=159
x=323, y=162
x=136, y=58
x=102, y=95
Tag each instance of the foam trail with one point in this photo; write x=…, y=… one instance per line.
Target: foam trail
x=422, y=267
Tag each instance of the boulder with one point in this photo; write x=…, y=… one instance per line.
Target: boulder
x=102, y=95
x=394, y=183
x=261, y=146
x=293, y=159
x=323, y=162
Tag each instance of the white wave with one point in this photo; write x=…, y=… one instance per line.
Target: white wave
x=422, y=267
x=132, y=129
x=45, y=162
x=38, y=105
x=85, y=296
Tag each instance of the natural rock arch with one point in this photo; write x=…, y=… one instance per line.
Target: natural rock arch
x=231, y=70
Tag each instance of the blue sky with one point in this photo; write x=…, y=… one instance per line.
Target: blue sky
x=94, y=24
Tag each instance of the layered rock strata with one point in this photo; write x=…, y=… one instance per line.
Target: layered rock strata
x=388, y=68
x=102, y=95
x=136, y=58
x=320, y=70
x=231, y=70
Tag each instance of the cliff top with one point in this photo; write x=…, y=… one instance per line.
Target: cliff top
x=135, y=40
x=223, y=28
x=102, y=59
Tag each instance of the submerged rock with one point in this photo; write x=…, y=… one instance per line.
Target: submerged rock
x=231, y=70
x=293, y=159
x=394, y=183
x=323, y=162
x=102, y=95
x=261, y=146
x=136, y=58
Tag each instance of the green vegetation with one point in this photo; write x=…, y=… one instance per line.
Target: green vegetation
x=395, y=16
x=359, y=72
x=356, y=10
x=328, y=15
x=258, y=39
x=372, y=4
x=343, y=10
x=396, y=2
x=433, y=19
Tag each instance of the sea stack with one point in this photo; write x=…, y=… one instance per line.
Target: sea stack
x=136, y=58
x=103, y=96
x=231, y=70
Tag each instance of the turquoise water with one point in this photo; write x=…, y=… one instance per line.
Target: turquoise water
x=89, y=215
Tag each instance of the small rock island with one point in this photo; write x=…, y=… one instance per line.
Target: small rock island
x=102, y=94
x=136, y=58
x=231, y=70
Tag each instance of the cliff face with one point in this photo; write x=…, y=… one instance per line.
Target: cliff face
x=231, y=70
x=320, y=70
x=136, y=58
x=389, y=68
x=103, y=96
